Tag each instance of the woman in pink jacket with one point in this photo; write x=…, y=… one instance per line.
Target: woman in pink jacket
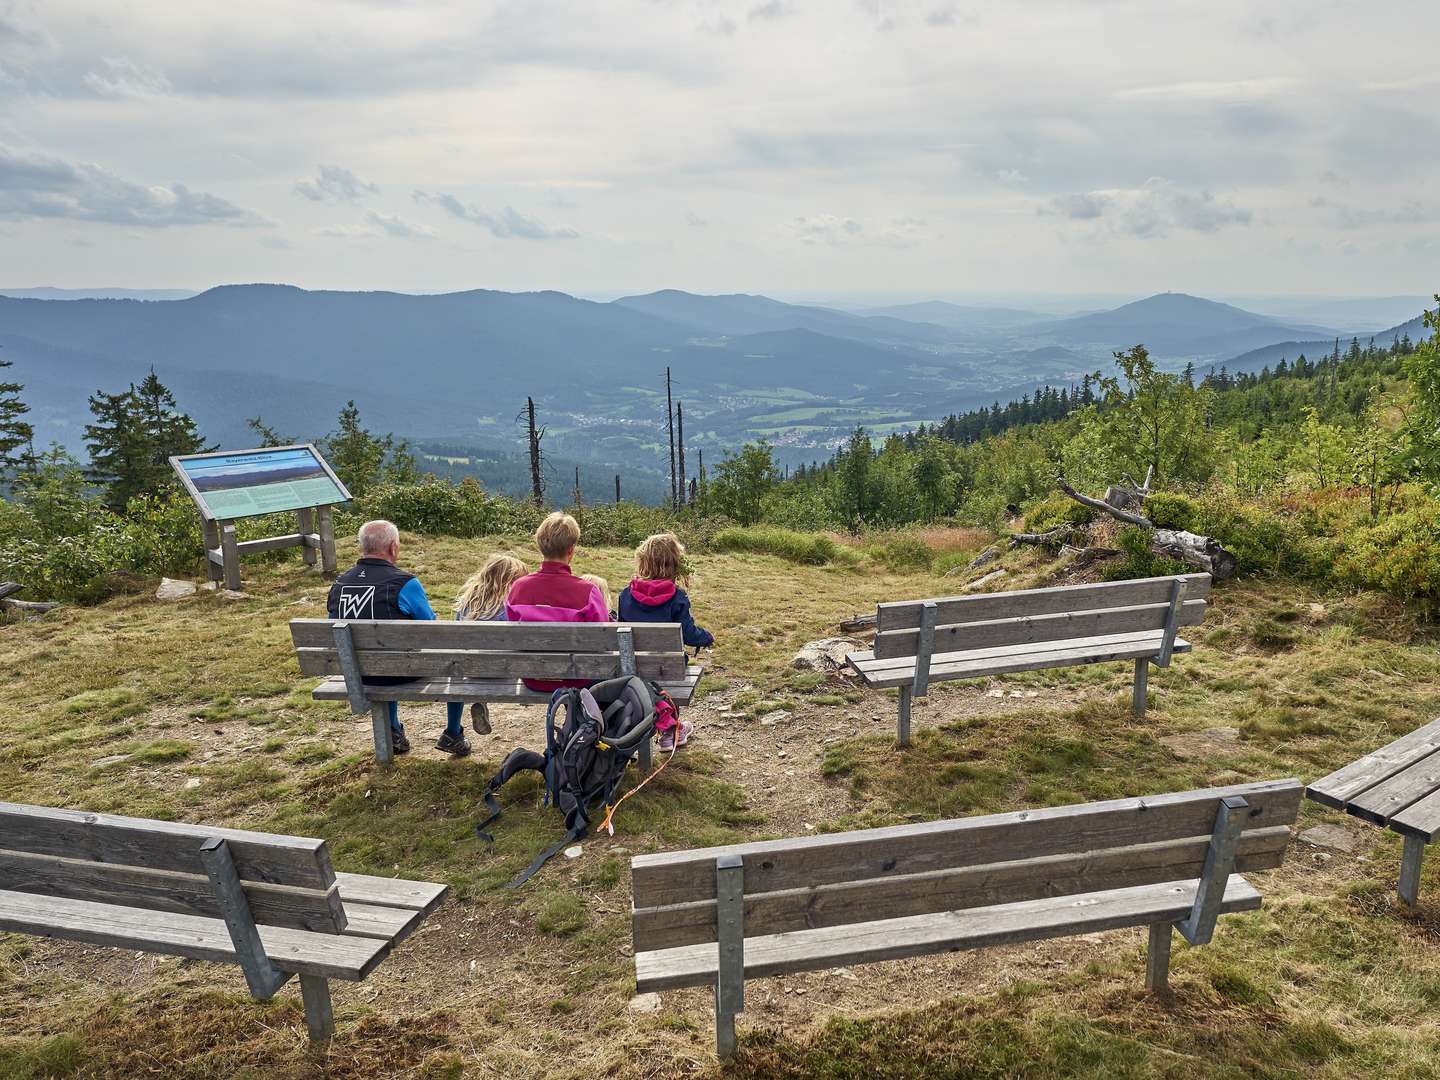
x=553, y=593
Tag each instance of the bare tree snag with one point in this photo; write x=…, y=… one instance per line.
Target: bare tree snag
x=1202, y=552
x=537, y=484
x=680, y=448
x=670, y=423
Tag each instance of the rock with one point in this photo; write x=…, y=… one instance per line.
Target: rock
x=113, y=759
x=192, y=783
x=574, y=852
x=826, y=655
x=994, y=575
x=772, y=718
x=989, y=555
x=782, y=754
x=645, y=1003
x=618, y=850
x=173, y=589
x=232, y=594
x=1333, y=837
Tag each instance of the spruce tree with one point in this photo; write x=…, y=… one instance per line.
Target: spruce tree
x=14, y=432
x=133, y=437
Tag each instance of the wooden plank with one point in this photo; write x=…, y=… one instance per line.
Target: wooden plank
x=1420, y=819
x=270, y=543
x=421, y=896
x=492, y=665
x=393, y=924
x=1378, y=804
x=488, y=690
x=1035, y=628
x=261, y=976
x=949, y=931
x=490, y=636
x=794, y=910
x=163, y=845
x=320, y=911
x=334, y=956
x=1037, y=659
x=906, y=614
x=866, y=660
x=1345, y=783
x=676, y=877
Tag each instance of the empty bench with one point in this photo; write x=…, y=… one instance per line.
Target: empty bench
x=718, y=916
x=1398, y=786
x=270, y=904
x=480, y=662
x=919, y=642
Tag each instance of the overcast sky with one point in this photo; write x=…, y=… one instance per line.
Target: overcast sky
x=796, y=147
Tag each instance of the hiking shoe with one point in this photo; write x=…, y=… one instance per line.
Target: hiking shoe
x=454, y=745
x=686, y=727
x=676, y=736
x=398, y=742
x=480, y=718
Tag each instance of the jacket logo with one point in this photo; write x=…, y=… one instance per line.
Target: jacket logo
x=357, y=601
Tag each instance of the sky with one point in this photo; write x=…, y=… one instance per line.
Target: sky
x=879, y=148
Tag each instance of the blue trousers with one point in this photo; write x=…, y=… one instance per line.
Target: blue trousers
x=454, y=710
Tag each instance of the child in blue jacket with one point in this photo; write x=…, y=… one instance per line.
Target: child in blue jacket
x=655, y=596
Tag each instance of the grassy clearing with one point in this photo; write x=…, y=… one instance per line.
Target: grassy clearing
x=195, y=711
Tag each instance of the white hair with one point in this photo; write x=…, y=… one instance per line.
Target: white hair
x=376, y=537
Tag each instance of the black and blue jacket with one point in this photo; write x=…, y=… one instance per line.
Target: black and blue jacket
x=662, y=601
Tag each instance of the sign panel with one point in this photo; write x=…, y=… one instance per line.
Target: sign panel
x=236, y=485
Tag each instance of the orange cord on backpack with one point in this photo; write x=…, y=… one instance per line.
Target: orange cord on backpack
x=606, y=824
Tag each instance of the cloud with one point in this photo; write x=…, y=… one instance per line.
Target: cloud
x=377, y=225
x=334, y=184
x=1410, y=212
x=1011, y=177
x=1149, y=211
x=771, y=9
x=121, y=77
x=36, y=185
x=503, y=224
x=950, y=15
x=695, y=221
x=834, y=231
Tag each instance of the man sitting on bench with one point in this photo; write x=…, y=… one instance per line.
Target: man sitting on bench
x=375, y=588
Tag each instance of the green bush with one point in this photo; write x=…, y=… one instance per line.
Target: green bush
x=1262, y=538
x=1171, y=511
x=439, y=507
x=1054, y=511
x=810, y=549
x=901, y=553
x=1140, y=561
x=1400, y=556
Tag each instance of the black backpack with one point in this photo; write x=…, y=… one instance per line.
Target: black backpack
x=591, y=733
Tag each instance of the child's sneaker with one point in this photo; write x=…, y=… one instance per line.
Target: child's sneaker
x=686, y=727
x=667, y=740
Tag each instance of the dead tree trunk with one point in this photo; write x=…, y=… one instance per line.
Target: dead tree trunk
x=1202, y=552
x=670, y=423
x=680, y=449
x=617, y=489
x=537, y=486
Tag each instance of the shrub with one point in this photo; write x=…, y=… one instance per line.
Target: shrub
x=1054, y=511
x=811, y=549
x=1400, y=556
x=1140, y=561
x=1263, y=539
x=1171, y=511
x=903, y=552
x=440, y=507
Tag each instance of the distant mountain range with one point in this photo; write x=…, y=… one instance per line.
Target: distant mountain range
x=457, y=367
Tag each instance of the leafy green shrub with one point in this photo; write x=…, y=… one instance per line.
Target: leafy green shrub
x=903, y=552
x=1054, y=511
x=439, y=507
x=1263, y=539
x=1400, y=556
x=810, y=549
x=1171, y=511
x=1140, y=561
x=950, y=561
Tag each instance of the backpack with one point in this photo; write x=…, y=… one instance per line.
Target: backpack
x=591, y=733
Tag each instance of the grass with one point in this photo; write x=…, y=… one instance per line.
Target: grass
x=1327, y=980
x=807, y=549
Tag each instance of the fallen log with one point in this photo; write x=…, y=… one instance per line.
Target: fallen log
x=8, y=588
x=1202, y=552
x=858, y=622
x=1050, y=538
x=38, y=607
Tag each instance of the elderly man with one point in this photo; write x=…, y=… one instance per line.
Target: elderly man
x=375, y=588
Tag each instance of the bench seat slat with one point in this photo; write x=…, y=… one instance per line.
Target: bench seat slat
x=512, y=691
x=1400, y=790
x=905, y=614
x=332, y=956
x=422, y=896
x=1420, y=819
x=889, y=939
x=804, y=862
x=950, y=890
x=1345, y=784
x=880, y=674
x=393, y=924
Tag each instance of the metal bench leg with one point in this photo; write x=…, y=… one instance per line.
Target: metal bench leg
x=730, y=923
x=384, y=741
x=1142, y=681
x=903, y=732
x=1157, y=958
x=319, y=1015
x=1410, y=869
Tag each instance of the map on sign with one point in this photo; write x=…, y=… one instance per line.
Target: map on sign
x=254, y=482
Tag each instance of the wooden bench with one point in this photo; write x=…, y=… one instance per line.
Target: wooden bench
x=1398, y=786
x=719, y=916
x=918, y=642
x=481, y=662
x=271, y=904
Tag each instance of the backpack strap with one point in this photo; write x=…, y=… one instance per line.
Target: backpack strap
x=518, y=760
x=577, y=832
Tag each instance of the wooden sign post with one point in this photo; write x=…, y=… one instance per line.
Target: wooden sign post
x=231, y=485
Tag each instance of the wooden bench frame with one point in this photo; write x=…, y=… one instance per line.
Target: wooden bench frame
x=1030, y=630
x=455, y=672
x=720, y=916
x=1396, y=787
x=268, y=903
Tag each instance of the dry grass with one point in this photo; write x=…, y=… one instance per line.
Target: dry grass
x=1327, y=981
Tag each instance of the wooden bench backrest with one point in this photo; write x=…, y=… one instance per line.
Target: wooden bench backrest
x=490, y=650
x=872, y=874
x=156, y=865
x=1038, y=615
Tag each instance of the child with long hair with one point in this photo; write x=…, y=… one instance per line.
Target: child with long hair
x=482, y=599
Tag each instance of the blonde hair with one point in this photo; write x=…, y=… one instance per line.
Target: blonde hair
x=557, y=535
x=660, y=557
x=483, y=596
x=601, y=584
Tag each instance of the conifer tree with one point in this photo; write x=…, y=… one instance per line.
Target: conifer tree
x=134, y=434
x=14, y=432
